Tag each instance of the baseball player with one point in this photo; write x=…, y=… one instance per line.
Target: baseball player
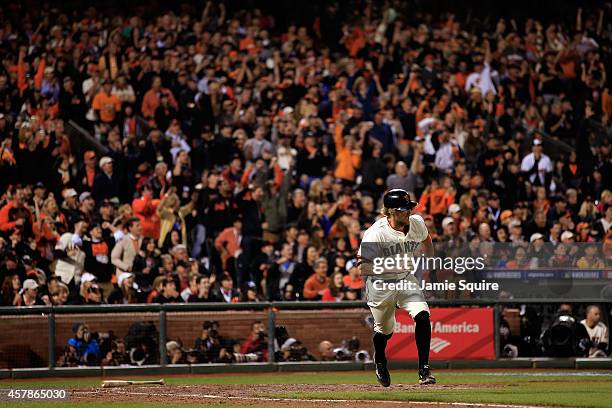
x=398, y=232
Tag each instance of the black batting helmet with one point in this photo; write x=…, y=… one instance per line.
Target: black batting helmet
x=398, y=199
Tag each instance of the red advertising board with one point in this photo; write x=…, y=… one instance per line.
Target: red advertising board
x=456, y=333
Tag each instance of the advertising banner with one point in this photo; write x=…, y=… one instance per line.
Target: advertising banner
x=456, y=333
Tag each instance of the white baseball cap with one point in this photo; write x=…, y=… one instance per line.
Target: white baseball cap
x=123, y=276
x=535, y=236
x=351, y=263
x=71, y=192
x=454, y=208
x=105, y=160
x=30, y=284
x=567, y=235
x=446, y=221
x=88, y=277
x=514, y=223
x=84, y=196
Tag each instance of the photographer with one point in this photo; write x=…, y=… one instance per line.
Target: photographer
x=141, y=341
x=175, y=353
x=565, y=337
x=257, y=342
x=85, y=345
x=117, y=355
x=289, y=348
x=210, y=343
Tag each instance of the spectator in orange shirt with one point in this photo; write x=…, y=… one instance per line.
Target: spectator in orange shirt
x=228, y=241
x=353, y=279
x=248, y=43
x=348, y=155
x=105, y=105
x=145, y=208
x=317, y=282
x=15, y=214
x=438, y=197
x=151, y=99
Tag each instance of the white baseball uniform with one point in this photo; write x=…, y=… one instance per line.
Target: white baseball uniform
x=382, y=240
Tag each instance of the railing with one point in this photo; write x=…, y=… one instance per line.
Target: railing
x=82, y=140
x=271, y=307
x=142, y=127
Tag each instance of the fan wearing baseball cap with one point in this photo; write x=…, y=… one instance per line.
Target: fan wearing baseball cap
x=353, y=279
x=106, y=182
x=29, y=295
x=538, y=166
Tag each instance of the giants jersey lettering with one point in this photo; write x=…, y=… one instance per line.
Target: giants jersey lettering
x=382, y=241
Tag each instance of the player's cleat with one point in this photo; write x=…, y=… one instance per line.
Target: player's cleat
x=425, y=376
x=382, y=374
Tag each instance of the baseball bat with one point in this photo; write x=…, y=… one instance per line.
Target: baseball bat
x=125, y=383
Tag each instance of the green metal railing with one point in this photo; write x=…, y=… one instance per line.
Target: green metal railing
x=270, y=307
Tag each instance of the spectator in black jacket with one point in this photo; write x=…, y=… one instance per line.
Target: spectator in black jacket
x=168, y=293
x=203, y=293
x=106, y=182
x=97, y=254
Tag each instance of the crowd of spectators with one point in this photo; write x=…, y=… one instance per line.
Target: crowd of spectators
x=237, y=156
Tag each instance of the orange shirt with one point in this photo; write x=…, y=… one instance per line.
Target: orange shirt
x=229, y=238
x=437, y=201
x=90, y=174
x=249, y=45
x=351, y=283
x=108, y=105
x=313, y=286
x=569, y=69
x=347, y=162
x=460, y=78
x=150, y=101
x=145, y=209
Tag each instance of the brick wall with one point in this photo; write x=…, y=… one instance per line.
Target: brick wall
x=24, y=339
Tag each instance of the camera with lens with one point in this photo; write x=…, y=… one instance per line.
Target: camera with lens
x=566, y=337
x=350, y=351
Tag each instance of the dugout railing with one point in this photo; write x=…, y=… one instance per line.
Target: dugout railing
x=268, y=309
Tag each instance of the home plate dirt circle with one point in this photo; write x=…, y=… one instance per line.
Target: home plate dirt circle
x=256, y=395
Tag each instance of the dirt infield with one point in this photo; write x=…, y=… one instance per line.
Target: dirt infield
x=255, y=395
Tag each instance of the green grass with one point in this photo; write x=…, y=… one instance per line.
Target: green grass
x=557, y=389
x=596, y=395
